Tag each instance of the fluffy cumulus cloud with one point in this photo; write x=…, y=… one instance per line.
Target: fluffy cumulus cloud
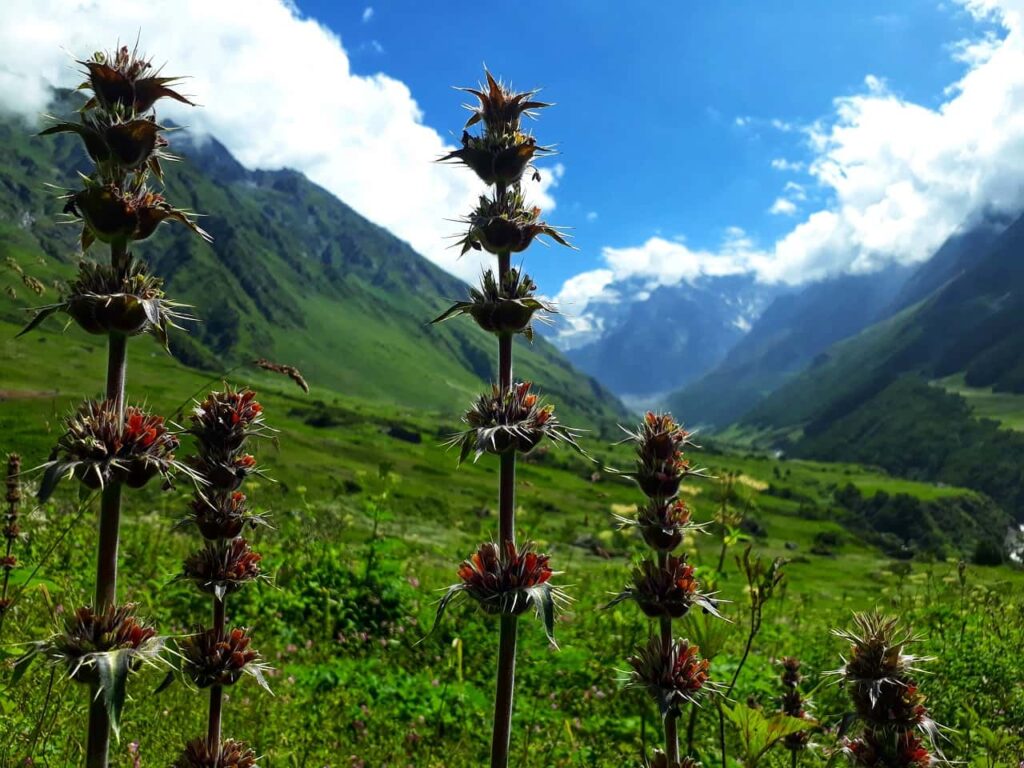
x=277, y=89
x=898, y=177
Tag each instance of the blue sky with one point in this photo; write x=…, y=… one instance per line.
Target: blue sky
x=790, y=141
x=649, y=94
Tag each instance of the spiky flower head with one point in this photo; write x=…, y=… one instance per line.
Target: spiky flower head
x=878, y=672
x=660, y=464
x=224, y=420
x=232, y=754
x=507, y=580
x=98, y=448
x=666, y=590
x=500, y=109
x=506, y=224
x=672, y=676
x=221, y=514
x=211, y=658
x=662, y=523
x=112, y=214
x=223, y=567
x=103, y=300
x=90, y=637
x=127, y=144
x=125, y=82
x=507, y=308
x=892, y=750
x=516, y=420
x=224, y=474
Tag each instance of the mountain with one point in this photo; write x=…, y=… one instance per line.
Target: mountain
x=673, y=335
x=783, y=340
x=869, y=396
x=293, y=274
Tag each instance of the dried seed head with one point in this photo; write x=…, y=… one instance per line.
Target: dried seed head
x=233, y=754
x=514, y=421
x=290, y=371
x=793, y=704
x=222, y=567
x=99, y=448
x=213, y=659
x=507, y=308
x=673, y=675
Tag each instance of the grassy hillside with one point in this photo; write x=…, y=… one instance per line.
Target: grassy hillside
x=293, y=274
x=341, y=620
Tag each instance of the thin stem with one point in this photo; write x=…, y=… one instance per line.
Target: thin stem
x=691, y=729
x=504, y=692
x=505, y=686
x=672, y=716
x=755, y=626
x=110, y=522
x=213, y=734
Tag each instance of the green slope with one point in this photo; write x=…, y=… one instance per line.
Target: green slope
x=293, y=274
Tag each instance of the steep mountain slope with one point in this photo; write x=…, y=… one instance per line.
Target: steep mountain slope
x=856, y=400
x=789, y=334
x=674, y=335
x=293, y=274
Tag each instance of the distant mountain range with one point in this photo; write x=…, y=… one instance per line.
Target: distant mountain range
x=293, y=274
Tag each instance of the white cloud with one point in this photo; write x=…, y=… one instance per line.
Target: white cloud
x=783, y=207
x=591, y=216
x=278, y=90
x=782, y=164
x=898, y=177
x=367, y=13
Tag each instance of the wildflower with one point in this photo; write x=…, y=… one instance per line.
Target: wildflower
x=514, y=421
x=508, y=581
x=110, y=214
x=505, y=309
x=224, y=420
x=673, y=675
x=221, y=568
x=506, y=224
x=231, y=754
x=662, y=523
x=221, y=514
x=793, y=704
x=660, y=465
x=104, y=300
x=905, y=750
x=668, y=589
x=126, y=83
x=130, y=144
x=214, y=659
x=98, y=448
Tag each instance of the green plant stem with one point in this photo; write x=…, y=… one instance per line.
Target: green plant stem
x=98, y=749
x=691, y=729
x=755, y=626
x=213, y=734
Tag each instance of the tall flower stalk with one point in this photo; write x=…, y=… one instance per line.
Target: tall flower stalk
x=663, y=585
x=217, y=657
x=108, y=444
x=505, y=578
x=879, y=675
